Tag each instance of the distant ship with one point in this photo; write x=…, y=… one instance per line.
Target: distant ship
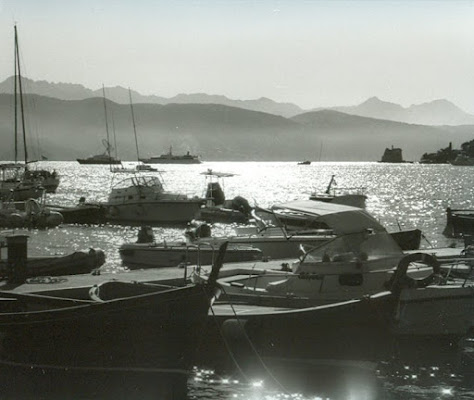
x=99, y=159
x=170, y=158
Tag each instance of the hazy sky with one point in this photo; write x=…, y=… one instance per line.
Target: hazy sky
x=312, y=53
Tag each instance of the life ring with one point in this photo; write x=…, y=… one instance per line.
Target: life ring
x=401, y=279
x=114, y=211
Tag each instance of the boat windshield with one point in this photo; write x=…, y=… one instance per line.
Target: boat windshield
x=355, y=246
x=140, y=180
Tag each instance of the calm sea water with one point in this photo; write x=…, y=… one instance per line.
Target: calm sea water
x=399, y=195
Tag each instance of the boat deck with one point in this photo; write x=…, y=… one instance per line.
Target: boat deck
x=174, y=275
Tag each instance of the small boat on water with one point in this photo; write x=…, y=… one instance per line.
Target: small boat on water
x=146, y=253
x=78, y=262
x=92, y=340
x=82, y=213
x=170, y=158
x=48, y=179
x=306, y=162
x=142, y=199
x=217, y=208
x=354, y=197
x=28, y=214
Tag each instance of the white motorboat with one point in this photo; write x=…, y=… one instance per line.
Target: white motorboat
x=354, y=197
x=433, y=299
x=143, y=200
x=343, y=268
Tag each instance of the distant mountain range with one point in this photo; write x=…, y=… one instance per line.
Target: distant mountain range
x=66, y=130
x=437, y=112
x=118, y=94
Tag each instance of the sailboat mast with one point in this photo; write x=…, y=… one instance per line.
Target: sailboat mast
x=15, y=107
x=21, y=96
x=134, y=125
x=106, y=125
x=115, y=137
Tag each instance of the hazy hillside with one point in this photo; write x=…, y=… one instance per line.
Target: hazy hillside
x=71, y=129
x=437, y=112
x=118, y=94
x=351, y=137
x=66, y=130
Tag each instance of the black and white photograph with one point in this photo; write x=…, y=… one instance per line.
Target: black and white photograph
x=237, y=199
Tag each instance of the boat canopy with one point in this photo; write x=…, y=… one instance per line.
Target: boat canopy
x=361, y=246
x=340, y=219
x=139, y=180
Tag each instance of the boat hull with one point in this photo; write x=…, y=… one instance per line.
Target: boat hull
x=79, y=262
x=153, y=212
x=97, y=162
x=109, y=339
x=16, y=193
x=84, y=214
x=136, y=255
x=353, y=330
x=176, y=160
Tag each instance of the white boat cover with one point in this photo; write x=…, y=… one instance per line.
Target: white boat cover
x=341, y=219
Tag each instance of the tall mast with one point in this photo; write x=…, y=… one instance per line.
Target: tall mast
x=134, y=126
x=106, y=125
x=115, y=137
x=21, y=96
x=15, y=107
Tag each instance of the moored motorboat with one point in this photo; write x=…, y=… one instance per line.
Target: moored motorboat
x=28, y=214
x=217, y=208
x=408, y=322
x=146, y=253
x=173, y=254
x=354, y=197
x=101, y=345
x=141, y=199
x=78, y=262
x=48, y=179
x=82, y=213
